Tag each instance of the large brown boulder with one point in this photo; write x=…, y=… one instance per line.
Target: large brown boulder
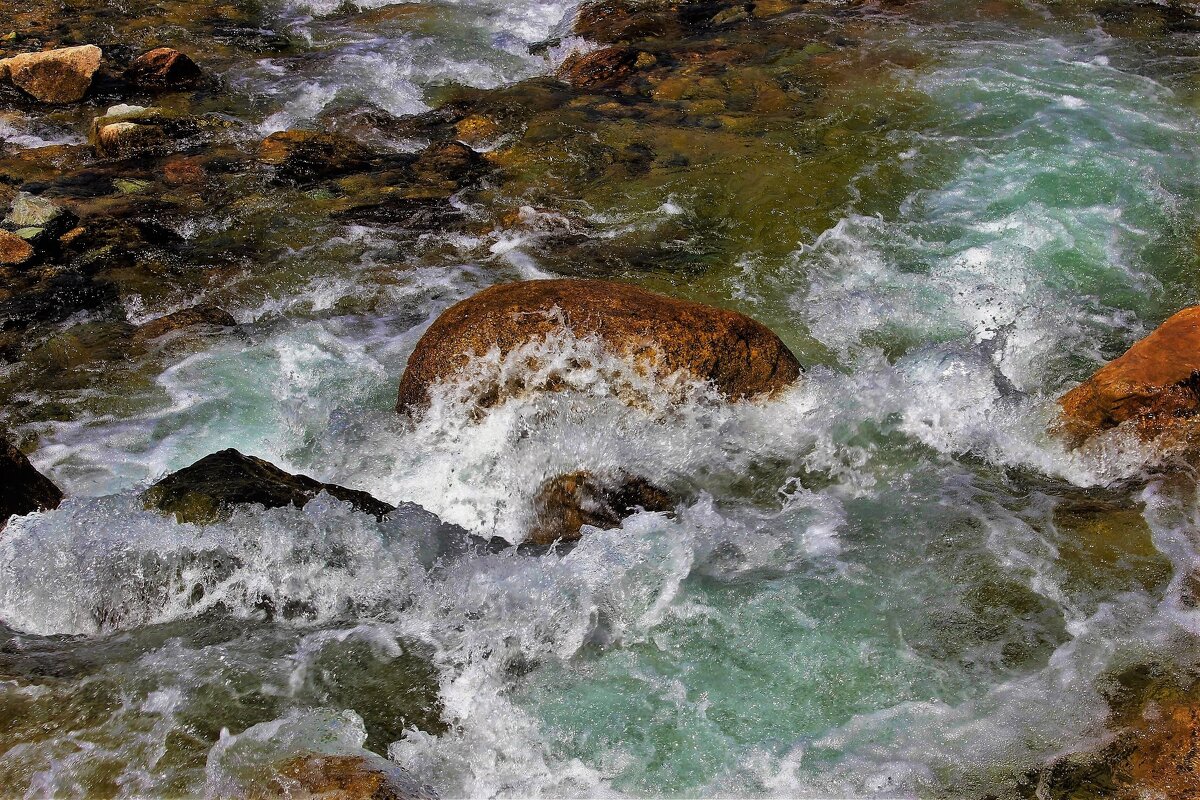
x=209, y=489
x=1154, y=386
x=54, y=76
x=23, y=489
x=740, y=357
x=565, y=504
x=600, y=70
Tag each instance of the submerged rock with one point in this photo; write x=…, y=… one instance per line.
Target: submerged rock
x=1154, y=386
x=600, y=69
x=23, y=489
x=164, y=68
x=14, y=250
x=54, y=76
x=209, y=489
x=740, y=357
x=565, y=504
x=29, y=211
x=305, y=155
x=347, y=777
x=203, y=314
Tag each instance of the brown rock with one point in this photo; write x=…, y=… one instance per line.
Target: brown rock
x=347, y=778
x=1155, y=384
x=616, y=20
x=742, y=358
x=601, y=69
x=305, y=155
x=126, y=138
x=54, y=76
x=203, y=314
x=449, y=162
x=565, y=504
x=23, y=489
x=164, y=68
x=209, y=489
x=13, y=249
x=182, y=171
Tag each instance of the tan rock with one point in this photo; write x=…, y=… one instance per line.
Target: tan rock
x=1155, y=385
x=740, y=357
x=54, y=76
x=565, y=504
x=14, y=250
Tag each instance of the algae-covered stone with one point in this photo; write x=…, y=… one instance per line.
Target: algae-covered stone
x=210, y=489
x=31, y=211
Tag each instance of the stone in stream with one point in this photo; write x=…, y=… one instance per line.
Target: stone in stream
x=740, y=357
x=347, y=777
x=125, y=130
x=164, y=68
x=307, y=155
x=202, y=314
x=600, y=70
x=1154, y=386
x=209, y=489
x=54, y=76
x=14, y=250
x=31, y=212
x=565, y=504
x=23, y=489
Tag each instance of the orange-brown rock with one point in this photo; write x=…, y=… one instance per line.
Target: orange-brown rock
x=54, y=76
x=203, y=314
x=1154, y=385
x=163, y=68
x=602, y=69
x=14, y=250
x=740, y=357
x=565, y=504
x=346, y=778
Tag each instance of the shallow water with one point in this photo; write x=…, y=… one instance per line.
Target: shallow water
x=884, y=582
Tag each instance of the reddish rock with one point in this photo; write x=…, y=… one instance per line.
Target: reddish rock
x=183, y=171
x=54, y=76
x=164, y=68
x=1154, y=385
x=449, y=162
x=601, y=69
x=347, y=778
x=14, y=250
x=23, y=489
x=565, y=504
x=740, y=357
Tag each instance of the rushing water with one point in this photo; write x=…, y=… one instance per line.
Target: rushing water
x=876, y=583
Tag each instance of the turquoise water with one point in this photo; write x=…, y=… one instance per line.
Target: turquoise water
x=866, y=592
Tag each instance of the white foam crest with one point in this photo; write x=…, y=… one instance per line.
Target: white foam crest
x=129, y=567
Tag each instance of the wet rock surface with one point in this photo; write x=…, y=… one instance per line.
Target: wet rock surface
x=1155, y=385
x=54, y=76
x=211, y=488
x=740, y=357
x=24, y=489
x=565, y=504
x=164, y=68
x=347, y=778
